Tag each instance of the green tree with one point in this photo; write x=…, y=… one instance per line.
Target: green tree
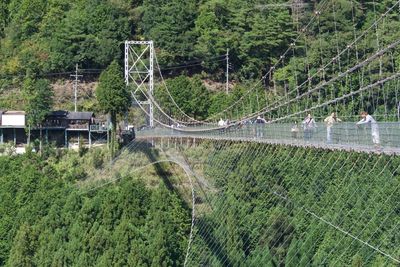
x=357, y=261
x=200, y=99
x=38, y=102
x=191, y=96
x=113, y=96
x=293, y=257
x=170, y=24
x=254, y=37
x=269, y=36
x=26, y=16
x=261, y=256
x=214, y=35
x=89, y=34
x=23, y=248
x=3, y=16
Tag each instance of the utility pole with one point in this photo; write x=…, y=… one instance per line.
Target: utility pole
x=75, y=86
x=227, y=71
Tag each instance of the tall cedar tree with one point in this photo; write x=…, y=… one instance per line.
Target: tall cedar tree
x=38, y=101
x=113, y=96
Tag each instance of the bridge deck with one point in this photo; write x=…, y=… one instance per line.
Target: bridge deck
x=345, y=136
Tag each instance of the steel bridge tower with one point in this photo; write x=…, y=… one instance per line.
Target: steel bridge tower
x=139, y=73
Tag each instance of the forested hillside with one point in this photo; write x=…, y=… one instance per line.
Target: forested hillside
x=286, y=206
x=53, y=36
x=269, y=204
x=47, y=220
x=48, y=217
x=47, y=38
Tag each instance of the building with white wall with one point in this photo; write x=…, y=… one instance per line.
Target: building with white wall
x=13, y=118
x=12, y=126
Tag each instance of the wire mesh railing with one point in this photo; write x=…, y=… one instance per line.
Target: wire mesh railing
x=345, y=135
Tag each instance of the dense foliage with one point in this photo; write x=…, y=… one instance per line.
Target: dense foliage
x=43, y=212
x=196, y=101
x=46, y=220
x=262, y=212
x=52, y=36
x=113, y=96
x=48, y=36
x=38, y=100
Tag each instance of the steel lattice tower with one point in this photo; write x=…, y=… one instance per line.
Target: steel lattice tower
x=139, y=73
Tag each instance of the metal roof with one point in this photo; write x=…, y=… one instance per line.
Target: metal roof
x=79, y=115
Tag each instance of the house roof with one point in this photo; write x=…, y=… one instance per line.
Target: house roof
x=79, y=115
x=58, y=113
x=14, y=112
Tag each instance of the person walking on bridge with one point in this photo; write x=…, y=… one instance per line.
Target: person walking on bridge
x=308, y=125
x=295, y=130
x=368, y=119
x=330, y=121
x=260, y=121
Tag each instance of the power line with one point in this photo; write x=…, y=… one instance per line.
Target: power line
x=182, y=66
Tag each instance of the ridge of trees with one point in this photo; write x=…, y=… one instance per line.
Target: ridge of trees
x=47, y=220
x=52, y=36
x=259, y=215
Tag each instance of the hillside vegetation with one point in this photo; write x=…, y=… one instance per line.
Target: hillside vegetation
x=47, y=220
x=47, y=38
x=255, y=203
x=276, y=199
x=279, y=206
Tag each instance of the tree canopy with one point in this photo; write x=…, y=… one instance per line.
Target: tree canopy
x=111, y=92
x=39, y=100
x=113, y=96
x=46, y=219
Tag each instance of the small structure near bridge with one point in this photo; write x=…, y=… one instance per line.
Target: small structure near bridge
x=60, y=127
x=12, y=126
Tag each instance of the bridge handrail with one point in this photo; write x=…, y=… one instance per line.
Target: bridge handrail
x=345, y=134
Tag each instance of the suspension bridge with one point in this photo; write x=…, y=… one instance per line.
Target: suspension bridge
x=276, y=192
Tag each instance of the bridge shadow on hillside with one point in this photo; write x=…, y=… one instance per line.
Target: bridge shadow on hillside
x=147, y=149
x=205, y=233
